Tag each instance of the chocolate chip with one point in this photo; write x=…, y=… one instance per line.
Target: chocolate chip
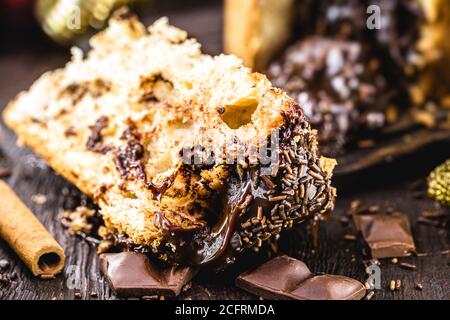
x=128, y=160
x=95, y=140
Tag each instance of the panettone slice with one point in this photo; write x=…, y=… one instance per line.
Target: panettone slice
x=189, y=156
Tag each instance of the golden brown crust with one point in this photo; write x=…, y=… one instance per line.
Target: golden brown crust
x=241, y=28
x=435, y=49
x=256, y=30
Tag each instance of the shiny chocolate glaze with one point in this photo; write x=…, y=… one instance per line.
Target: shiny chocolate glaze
x=210, y=244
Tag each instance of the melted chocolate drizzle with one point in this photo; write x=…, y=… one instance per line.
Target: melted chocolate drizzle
x=158, y=190
x=209, y=245
x=129, y=160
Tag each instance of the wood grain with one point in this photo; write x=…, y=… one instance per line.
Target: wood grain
x=19, y=67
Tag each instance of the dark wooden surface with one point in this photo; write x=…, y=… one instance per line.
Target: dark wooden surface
x=387, y=186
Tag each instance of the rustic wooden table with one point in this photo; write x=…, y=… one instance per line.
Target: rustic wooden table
x=387, y=186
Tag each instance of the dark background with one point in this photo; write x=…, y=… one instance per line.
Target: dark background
x=25, y=53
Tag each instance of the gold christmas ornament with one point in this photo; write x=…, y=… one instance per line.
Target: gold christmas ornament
x=439, y=183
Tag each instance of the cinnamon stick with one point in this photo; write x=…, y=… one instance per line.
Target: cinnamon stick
x=27, y=236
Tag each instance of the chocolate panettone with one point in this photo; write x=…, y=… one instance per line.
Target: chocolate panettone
x=191, y=157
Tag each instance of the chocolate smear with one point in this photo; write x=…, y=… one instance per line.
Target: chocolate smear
x=95, y=140
x=287, y=278
x=132, y=274
x=128, y=160
x=210, y=244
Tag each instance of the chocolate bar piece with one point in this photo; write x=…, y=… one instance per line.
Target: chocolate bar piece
x=287, y=278
x=132, y=274
x=387, y=235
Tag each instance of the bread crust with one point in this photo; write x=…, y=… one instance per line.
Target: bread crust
x=256, y=30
